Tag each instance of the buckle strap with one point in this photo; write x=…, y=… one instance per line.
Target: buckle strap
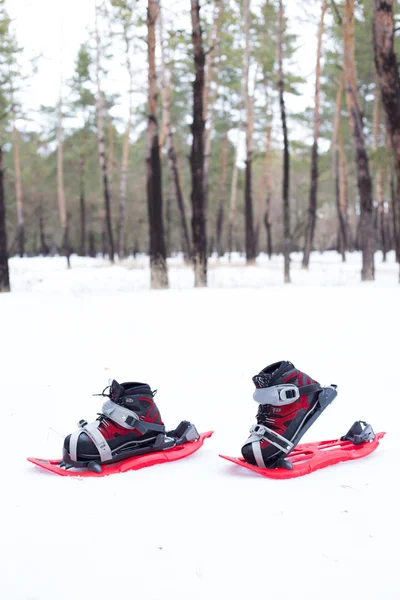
x=261, y=432
x=285, y=393
x=128, y=418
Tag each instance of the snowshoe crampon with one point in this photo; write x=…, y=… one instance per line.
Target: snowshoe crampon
x=360, y=441
x=180, y=450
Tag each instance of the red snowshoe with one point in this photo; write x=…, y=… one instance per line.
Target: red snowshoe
x=128, y=435
x=307, y=458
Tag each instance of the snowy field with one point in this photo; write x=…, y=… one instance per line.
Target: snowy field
x=200, y=528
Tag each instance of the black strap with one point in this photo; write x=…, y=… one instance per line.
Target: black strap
x=309, y=389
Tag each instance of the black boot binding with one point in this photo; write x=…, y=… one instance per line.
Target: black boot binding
x=129, y=425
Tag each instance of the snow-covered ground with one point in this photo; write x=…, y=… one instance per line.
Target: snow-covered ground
x=200, y=528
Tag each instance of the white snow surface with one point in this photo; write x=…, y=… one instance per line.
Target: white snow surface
x=200, y=528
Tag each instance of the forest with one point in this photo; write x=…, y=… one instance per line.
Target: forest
x=211, y=158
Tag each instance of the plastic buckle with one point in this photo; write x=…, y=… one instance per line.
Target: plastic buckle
x=258, y=430
x=82, y=423
x=290, y=389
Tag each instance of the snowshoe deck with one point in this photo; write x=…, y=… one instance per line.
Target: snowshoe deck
x=307, y=458
x=129, y=464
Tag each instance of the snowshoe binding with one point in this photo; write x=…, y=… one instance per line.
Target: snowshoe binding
x=128, y=428
x=289, y=403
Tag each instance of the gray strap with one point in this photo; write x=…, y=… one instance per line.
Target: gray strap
x=277, y=395
x=99, y=440
x=261, y=432
x=128, y=419
x=258, y=455
x=73, y=444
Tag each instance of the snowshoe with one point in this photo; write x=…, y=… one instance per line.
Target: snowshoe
x=289, y=403
x=128, y=428
x=360, y=441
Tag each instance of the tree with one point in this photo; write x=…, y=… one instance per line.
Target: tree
x=199, y=251
x=286, y=160
x=249, y=108
x=60, y=185
x=389, y=81
x=102, y=146
x=4, y=272
x=172, y=159
x=210, y=95
x=83, y=103
x=312, y=211
x=124, y=17
x=158, y=259
x=360, y=153
x=8, y=52
x=18, y=187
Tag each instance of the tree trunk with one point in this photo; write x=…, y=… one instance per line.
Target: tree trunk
x=172, y=160
x=233, y=195
x=82, y=204
x=379, y=178
x=312, y=210
x=340, y=173
x=268, y=188
x=102, y=150
x=208, y=98
x=248, y=195
x=18, y=193
x=197, y=154
x=4, y=273
x=343, y=199
x=286, y=163
x=60, y=188
x=44, y=249
x=222, y=195
x=395, y=217
x=389, y=79
x=158, y=259
x=360, y=152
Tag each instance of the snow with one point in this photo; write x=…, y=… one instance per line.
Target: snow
x=200, y=528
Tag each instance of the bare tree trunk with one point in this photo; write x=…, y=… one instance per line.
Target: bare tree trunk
x=102, y=150
x=379, y=180
x=4, y=273
x=343, y=199
x=268, y=188
x=172, y=160
x=395, y=217
x=233, y=195
x=124, y=164
x=82, y=203
x=286, y=163
x=44, y=249
x=18, y=193
x=248, y=195
x=340, y=173
x=312, y=210
x=158, y=258
x=360, y=152
x=60, y=187
x=389, y=79
x=197, y=154
x=222, y=195
x=207, y=97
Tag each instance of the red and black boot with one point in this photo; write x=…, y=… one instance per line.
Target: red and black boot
x=130, y=424
x=289, y=403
